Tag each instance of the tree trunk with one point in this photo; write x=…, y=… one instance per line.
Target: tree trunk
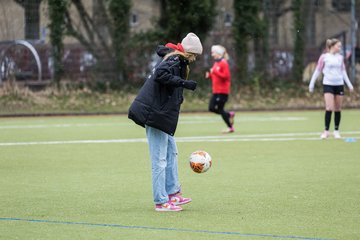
x=299, y=44
x=309, y=11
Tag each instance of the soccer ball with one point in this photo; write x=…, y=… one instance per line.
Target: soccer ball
x=200, y=161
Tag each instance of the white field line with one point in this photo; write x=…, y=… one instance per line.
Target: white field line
x=187, y=120
x=61, y=125
x=245, y=119
x=135, y=140
x=234, y=138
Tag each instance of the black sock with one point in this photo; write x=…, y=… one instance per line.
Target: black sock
x=327, y=120
x=337, y=119
x=226, y=117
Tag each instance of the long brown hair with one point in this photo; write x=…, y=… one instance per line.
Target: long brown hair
x=185, y=55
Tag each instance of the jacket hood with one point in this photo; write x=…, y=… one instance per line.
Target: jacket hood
x=162, y=50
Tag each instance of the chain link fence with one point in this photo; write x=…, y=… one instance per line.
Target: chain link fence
x=25, y=52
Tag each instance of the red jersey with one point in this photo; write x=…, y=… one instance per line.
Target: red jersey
x=220, y=77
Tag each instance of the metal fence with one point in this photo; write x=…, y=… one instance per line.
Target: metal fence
x=30, y=61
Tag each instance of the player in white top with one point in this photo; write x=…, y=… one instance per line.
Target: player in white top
x=331, y=64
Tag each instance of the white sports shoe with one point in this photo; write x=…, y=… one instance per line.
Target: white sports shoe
x=324, y=135
x=336, y=134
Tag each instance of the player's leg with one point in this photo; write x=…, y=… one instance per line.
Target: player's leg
x=158, y=146
x=172, y=176
x=232, y=118
x=221, y=105
x=213, y=107
x=337, y=111
x=171, y=171
x=329, y=108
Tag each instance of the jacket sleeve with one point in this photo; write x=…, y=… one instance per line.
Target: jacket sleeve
x=165, y=76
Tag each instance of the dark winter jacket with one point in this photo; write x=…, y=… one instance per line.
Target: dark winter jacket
x=158, y=102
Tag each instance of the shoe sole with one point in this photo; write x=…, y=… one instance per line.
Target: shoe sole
x=167, y=210
x=227, y=132
x=324, y=137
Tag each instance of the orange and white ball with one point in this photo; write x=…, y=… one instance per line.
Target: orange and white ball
x=200, y=161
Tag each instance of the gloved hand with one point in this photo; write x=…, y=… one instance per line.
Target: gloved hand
x=189, y=84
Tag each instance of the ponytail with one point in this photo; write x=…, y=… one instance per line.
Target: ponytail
x=226, y=55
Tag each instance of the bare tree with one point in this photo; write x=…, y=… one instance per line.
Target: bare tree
x=103, y=33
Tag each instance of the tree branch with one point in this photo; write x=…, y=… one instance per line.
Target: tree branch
x=20, y=2
x=72, y=32
x=89, y=26
x=284, y=11
x=85, y=19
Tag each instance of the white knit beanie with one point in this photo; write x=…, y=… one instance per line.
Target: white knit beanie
x=218, y=49
x=191, y=43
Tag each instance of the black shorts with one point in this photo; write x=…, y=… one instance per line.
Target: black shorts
x=336, y=90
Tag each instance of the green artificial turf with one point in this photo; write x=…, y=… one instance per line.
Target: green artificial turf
x=90, y=178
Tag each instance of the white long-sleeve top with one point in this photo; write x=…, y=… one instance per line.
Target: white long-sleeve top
x=333, y=68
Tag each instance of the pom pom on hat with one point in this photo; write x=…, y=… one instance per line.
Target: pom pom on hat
x=218, y=49
x=191, y=43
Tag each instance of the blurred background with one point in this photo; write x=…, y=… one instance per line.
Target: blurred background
x=108, y=46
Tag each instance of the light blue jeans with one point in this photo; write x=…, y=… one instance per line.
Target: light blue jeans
x=164, y=164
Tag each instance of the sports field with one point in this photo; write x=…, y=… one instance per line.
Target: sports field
x=89, y=178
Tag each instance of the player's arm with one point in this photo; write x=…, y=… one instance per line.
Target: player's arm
x=316, y=74
x=165, y=76
x=346, y=78
x=222, y=70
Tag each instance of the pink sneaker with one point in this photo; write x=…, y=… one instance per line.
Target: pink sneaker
x=229, y=130
x=167, y=207
x=324, y=135
x=231, y=119
x=336, y=134
x=177, y=199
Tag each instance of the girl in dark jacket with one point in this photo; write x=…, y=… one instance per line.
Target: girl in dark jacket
x=157, y=108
